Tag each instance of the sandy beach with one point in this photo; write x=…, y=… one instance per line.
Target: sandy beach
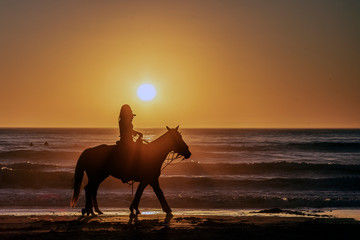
x=155, y=225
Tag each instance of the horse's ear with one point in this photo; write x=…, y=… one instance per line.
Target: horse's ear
x=177, y=128
x=167, y=128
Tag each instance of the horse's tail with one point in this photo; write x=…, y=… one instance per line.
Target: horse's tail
x=79, y=174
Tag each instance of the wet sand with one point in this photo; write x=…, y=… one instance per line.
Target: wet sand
x=158, y=226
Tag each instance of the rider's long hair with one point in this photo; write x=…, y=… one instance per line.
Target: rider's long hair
x=126, y=113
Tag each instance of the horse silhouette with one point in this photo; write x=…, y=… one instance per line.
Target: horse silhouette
x=100, y=162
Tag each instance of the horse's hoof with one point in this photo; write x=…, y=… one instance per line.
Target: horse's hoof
x=168, y=218
x=132, y=215
x=88, y=212
x=99, y=212
x=137, y=211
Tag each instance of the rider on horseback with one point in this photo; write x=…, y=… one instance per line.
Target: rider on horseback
x=125, y=125
x=127, y=149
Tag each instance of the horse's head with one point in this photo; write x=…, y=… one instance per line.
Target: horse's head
x=180, y=146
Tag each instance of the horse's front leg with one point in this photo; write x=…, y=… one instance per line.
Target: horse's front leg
x=136, y=201
x=160, y=195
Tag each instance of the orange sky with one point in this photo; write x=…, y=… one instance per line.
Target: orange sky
x=214, y=63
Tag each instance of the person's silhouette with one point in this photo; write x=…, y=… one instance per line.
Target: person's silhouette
x=127, y=147
x=125, y=125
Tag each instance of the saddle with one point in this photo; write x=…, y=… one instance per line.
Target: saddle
x=126, y=156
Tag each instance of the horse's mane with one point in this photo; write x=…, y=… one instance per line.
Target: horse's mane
x=158, y=139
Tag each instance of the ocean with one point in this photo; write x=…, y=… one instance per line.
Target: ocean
x=229, y=169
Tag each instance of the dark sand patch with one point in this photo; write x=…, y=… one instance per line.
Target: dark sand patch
x=183, y=227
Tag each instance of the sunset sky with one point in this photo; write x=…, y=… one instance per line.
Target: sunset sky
x=224, y=64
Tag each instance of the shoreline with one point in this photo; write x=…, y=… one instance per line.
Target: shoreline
x=350, y=213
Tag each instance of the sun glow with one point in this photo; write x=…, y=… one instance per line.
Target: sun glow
x=146, y=92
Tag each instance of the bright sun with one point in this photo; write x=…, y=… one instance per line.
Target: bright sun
x=146, y=92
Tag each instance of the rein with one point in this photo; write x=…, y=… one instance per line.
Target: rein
x=170, y=158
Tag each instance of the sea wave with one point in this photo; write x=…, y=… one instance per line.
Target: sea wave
x=39, y=155
x=10, y=178
x=285, y=184
x=272, y=168
x=278, y=146
x=179, y=199
x=29, y=166
x=190, y=169
x=326, y=146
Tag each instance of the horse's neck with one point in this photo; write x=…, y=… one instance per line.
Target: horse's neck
x=161, y=146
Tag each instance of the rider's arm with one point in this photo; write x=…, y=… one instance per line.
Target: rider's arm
x=137, y=133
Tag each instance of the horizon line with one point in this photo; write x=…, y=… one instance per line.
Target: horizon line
x=349, y=128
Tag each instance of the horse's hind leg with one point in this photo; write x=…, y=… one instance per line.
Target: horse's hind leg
x=136, y=201
x=94, y=186
x=88, y=204
x=94, y=200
